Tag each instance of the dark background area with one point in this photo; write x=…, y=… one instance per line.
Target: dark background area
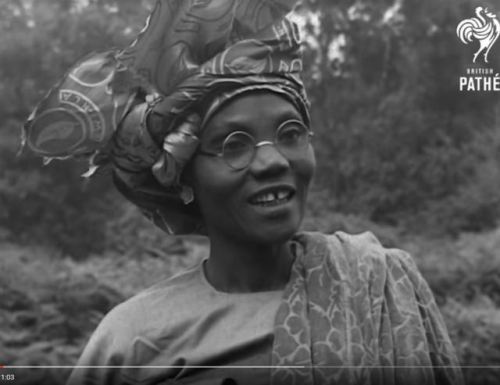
x=401, y=152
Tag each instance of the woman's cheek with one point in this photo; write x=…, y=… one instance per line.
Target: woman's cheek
x=306, y=167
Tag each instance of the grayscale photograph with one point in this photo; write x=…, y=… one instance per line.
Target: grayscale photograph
x=250, y=192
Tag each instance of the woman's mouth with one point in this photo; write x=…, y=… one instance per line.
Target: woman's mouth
x=273, y=197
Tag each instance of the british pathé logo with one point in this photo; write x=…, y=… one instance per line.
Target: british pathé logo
x=485, y=28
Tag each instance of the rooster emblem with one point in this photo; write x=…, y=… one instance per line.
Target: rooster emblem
x=485, y=28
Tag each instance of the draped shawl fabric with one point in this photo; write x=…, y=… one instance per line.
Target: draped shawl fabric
x=136, y=109
x=357, y=313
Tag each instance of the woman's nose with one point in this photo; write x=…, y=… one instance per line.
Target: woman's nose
x=268, y=161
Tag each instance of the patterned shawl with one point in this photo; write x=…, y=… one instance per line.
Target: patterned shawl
x=137, y=109
x=355, y=313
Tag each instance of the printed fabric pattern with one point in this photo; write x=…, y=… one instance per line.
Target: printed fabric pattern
x=357, y=313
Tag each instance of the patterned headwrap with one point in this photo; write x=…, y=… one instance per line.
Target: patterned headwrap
x=138, y=109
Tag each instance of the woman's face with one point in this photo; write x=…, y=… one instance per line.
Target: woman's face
x=242, y=204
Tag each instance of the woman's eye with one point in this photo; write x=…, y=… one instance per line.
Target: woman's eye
x=290, y=134
x=235, y=145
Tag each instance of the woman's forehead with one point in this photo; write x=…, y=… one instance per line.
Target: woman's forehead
x=252, y=109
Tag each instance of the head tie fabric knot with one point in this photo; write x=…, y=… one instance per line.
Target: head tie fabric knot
x=138, y=110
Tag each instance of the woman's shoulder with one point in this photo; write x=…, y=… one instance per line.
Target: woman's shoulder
x=361, y=264
x=137, y=311
x=127, y=333
x=177, y=282
x=352, y=252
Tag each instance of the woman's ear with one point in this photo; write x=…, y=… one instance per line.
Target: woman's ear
x=187, y=194
x=187, y=184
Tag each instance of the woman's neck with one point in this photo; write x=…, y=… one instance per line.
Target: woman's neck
x=237, y=267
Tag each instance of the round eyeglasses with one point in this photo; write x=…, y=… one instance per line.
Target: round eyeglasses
x=292, y=139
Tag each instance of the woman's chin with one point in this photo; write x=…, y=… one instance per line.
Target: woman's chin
x=272, y=225
x=272, y=234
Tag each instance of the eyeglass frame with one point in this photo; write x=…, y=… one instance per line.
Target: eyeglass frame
x=273, y=143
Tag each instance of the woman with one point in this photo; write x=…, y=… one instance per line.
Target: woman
x=214, y=138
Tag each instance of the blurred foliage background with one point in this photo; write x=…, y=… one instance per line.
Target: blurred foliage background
x=401, y=152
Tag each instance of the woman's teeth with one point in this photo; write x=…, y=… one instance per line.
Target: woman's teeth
x=272, y=198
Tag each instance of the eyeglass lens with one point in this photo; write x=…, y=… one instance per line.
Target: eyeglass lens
x=291, y=139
